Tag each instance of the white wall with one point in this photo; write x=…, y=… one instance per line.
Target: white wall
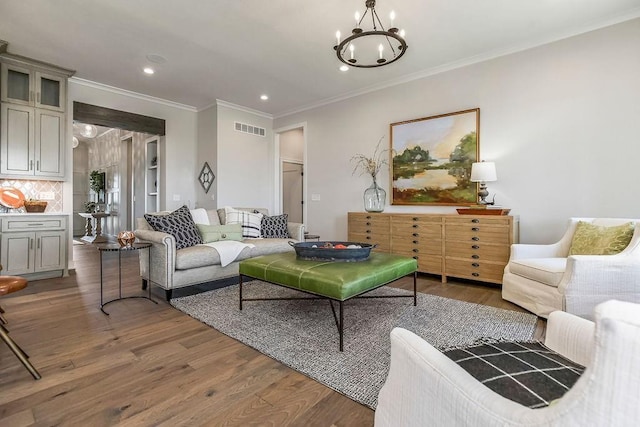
x=207, y=152
x=561, y=121
x=246, y=169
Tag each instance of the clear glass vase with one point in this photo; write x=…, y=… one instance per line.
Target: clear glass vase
x=374, y=198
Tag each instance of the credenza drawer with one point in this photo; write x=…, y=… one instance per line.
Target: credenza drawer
x=471, y=220
x=475, y=270
x=497, y=235
x=478, y=250
x=404, y=246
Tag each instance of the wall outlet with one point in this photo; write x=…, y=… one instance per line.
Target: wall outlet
x=315, y=197
x=47, y=195
x=176, y=197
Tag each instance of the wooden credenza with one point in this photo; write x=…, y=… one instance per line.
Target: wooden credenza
x=450, y=245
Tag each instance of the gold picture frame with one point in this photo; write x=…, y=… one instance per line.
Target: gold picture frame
x=431, y=159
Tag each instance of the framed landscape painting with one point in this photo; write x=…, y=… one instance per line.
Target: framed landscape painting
x=431, y=159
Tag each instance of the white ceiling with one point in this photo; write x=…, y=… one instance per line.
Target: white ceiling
x=236, y=50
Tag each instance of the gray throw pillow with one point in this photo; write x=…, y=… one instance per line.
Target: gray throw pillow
x=179, y=224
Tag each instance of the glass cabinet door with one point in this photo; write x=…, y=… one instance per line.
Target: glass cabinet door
x=17, y=85
x=49, y=91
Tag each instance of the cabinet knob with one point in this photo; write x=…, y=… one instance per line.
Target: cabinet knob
x=368, y=237
x=415, y=225
x=475, y=264
x=415, y=250
x=415, y=242
x=368, y=231
x=415, y=234
x=475, y=229
x=475, y=274
x=415, y=218
x=475, y=220
x=368, y=223
x=415, y=257
x=368, y=216
x=475, y=238
x=475, y=247
x=475, y=256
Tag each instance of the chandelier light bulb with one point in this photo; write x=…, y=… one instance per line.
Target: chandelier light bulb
x=380, y=49
x=392, y=16
x=402, y=33
x=351, y=49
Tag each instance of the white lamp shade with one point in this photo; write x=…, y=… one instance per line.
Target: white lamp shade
x=483, y=172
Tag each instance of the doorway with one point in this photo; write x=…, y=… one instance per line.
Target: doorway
x=292, y=190
x=290, y=144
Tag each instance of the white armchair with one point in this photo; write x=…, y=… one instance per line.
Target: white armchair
x=544, y=278
x=426, y=388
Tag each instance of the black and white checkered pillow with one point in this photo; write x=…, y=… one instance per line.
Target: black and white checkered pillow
x=526, y=372
x=179, y=224
x=250, y=221
x=274, y=226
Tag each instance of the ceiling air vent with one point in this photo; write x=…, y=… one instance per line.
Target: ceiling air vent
x=253, y=130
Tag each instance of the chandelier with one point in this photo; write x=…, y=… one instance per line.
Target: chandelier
x=369, y=48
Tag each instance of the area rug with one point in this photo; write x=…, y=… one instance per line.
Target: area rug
x=302, y=334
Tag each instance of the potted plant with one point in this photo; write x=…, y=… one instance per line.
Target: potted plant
x=96, y=182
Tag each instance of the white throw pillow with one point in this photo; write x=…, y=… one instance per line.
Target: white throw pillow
x=249, y=221
x=200, y=216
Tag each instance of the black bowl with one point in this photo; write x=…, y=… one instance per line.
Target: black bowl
x=325, y=251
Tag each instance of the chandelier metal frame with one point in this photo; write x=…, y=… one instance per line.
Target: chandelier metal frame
x=390, y=35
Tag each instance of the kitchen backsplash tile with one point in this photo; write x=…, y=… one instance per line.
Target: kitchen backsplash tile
x=32, y=190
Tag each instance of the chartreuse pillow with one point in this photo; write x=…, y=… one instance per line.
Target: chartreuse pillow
x=214, y=233
x=590, y=239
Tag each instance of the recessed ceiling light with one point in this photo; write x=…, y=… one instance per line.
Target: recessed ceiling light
x=264, y=97
x=148, y=70
x=156, y=59
x=344, y=68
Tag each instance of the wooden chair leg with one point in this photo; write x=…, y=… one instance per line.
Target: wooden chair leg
x=20, y=354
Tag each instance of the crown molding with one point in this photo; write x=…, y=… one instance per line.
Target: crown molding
x=633, y=14
x=116, y=90
x=221, y=103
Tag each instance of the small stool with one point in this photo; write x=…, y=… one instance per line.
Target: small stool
x=9, y=284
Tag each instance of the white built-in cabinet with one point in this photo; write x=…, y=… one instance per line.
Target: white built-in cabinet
x=32, y=118
x=152, y=174
x=34, y=246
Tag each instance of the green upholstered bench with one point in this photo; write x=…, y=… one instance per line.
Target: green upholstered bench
x=335, y=281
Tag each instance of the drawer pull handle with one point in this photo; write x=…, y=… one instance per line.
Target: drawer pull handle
x=475, y=256
x=415, y=234
x=35, y=224
x=475, y=220
x=368, y=216
x=475, y=264
x=475, y=239
x=368, y=231
x=368, y=237
x=415, y=218
x=475, y=247
x=475, y=274
x=415, y=257
x=415, y=242
x=475, y=229
x=368, y=223
x=415, y=225
x=415, y=250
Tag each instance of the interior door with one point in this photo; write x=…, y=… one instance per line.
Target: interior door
x=292, y=191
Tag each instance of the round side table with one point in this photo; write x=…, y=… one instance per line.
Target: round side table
x=114, y=247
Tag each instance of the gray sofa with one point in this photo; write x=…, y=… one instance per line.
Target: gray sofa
x=171, y=268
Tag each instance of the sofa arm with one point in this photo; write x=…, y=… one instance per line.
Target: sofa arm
x=163, y=257
x=296, y=230
x=524, y=251
x=571, y=336
x=591, y=279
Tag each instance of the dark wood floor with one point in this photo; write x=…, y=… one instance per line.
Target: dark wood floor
x=149, y=364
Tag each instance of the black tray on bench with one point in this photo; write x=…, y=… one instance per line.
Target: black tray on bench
x=307, y=251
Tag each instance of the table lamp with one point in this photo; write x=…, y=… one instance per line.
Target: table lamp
x=483, y=172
